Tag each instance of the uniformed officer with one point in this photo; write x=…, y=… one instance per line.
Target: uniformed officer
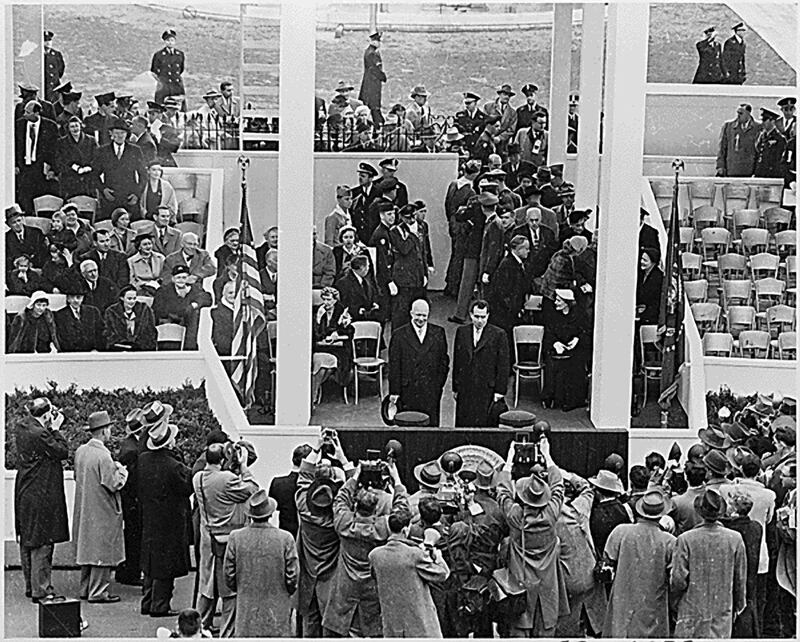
x=389, y=169
x=787, y=124
x=61, y=92
x=572, y=125
x=709, y=64
x=27, y=92
x=525, y=112
x=470, y=120
x=167, y=67
x=98, y=125
x=53, y=67
x=770, y=147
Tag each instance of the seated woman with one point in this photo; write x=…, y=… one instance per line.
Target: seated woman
x=56, y=271
x=229, y=275
x=566, y=344
x=34, y=328
x=122, y=236
x=60, y=235
x=397, y=130
x=157, y=193
x=349, y=247
x=80, y=229
x=23, y=280
x=648, y=286
x=332, y=334
x=560, y=272
x=179, y=302
x=129, y=325
x=145, y=266
x=222, y=324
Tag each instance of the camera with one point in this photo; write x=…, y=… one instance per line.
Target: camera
x=375, y=467
x=328, y=446
x=237, y=452
x=527, y=456
x=451, y=494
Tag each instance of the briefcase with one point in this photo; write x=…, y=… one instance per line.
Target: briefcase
x=60, y=618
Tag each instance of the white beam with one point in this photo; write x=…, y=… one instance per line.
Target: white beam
x=560, y=78
x=295, y=212
x=7, y=106
x=619, y=218
x=591, y=104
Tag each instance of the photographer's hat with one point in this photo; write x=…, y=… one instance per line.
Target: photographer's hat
x=155, y=413
x=429, y=474
x=533, y=491
x=607, y=481
x=160, y=435
x=260, y=506
x=484, y=476
x=320, y=495
x=98, y=420
x=653, y=505
x=134, y=422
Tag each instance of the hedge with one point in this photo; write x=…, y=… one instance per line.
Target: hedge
x=191, y=414
x=715, y=401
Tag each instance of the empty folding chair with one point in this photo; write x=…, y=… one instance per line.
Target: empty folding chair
x=686, y=238
x=706, y=316
x=696, y=291
x=768, y=197
x=734, y=197
x=692, y=265
x=651, y=355
x=39, y=222
x=744, y=219
x=777, y=219
x=367, y=361
x=791, y=279
x=732, y=266
x=764, y=265
x=170, y=333
x=769, y=292
x=754, y=241
x=739, y=318
x=754, y=344
x=87, y=207
x=142, y=227
x=787, y=345
x=736, y=292
x=700, y=193
x=56, y=301
x=717, y=344
x=530, y=367
x=706, y=216
x=46, y=205
x=715, y=241
x=15, y=303
x=780, y=318
x=786, y=243
x=192, y=209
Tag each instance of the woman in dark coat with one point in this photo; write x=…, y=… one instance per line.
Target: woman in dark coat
x=59, y=235
x=565, y=347
x=118, y=335
x=33, y=329
x=222, y=324
x=57, y=274
x=349, y=246
x=648, y=286
x=74, y=154
x=23, y=281
x=331, y=319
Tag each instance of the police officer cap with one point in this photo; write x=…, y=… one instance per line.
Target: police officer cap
x=767, y=114
x=105, y=99
x=389, y=163
x=711, y=29
x=366, y=168
x=739, y=25
x=72, y=96
x=28, y=87
x=376, y=35
x=789, y=100
x=557, y=170
x=471, y=95
x=169, y=33
x=386, y=184
x=154, y=106
x=530, y=88
x=180, y=269
x=48, y=35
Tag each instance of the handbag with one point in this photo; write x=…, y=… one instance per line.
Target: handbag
x=218, y=544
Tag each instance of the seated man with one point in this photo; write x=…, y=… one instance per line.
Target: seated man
x=100, y=291
x=112, y=264
x=270, y=243
x=166, y=239
x=79, y=327
x=324, y=269
x=22, y=280
x=179, y=301
x=357, y=291
x=21, y=239
x=222, y=323
x=191, y=255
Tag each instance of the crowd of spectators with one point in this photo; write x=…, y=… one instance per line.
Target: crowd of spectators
x=701, y=546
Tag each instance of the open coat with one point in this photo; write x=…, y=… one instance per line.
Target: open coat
x=97, y=517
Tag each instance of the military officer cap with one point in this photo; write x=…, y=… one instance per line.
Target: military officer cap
x=569, y=191
x=376, y=35
x=48, y=35
x=487, y=199
x=767, y=114
x=180, y=269
x=154, y=106
x=557, y=170
x=105, y=99
x=123, y=98
x=64, y=87
x=366, y=168
x=738, y=26
x=471, y=95
x=28, y=87
x=789, y=100
x=72, y=96
x=530, y=88
x=386, y=184
x=496, y=174
x=169, y=33
x=390, y=163
x=709, y=30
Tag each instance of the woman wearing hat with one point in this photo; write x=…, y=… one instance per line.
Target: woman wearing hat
x=158, y=192
x=566, y=346
x=332, y=334
x=76, y=234
x=34, y=328
x=348, y=247
x=648, y=286
x=560, y=272
x=145, y=265
x=129, y=324
x=74, y=157
x=122, y=236
x=56, y=271
x=397, y=131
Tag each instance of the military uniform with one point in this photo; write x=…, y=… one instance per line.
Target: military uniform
x=525, y=115
x=470, y=126
x=53, y=72
x=168, y=66
x=97, y=126
x=770, y=148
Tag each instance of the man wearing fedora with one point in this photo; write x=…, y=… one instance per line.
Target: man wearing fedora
x=97, y=515
x=22, y=240
x=507, y=125
x=40, y=508
x=430, y=477
x=373, y=79
x=130, y=570
x=262, y=569
x=709, y=572
x=418, y=110
x=641, y=555
x=165, y=484
x=120, y=171
x=609, y=511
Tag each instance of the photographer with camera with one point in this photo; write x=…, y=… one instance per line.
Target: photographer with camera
x=361, y=526
x=531, y=507
x=318, y=544
x=221, y=496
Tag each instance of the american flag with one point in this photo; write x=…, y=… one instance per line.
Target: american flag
x=249, y=319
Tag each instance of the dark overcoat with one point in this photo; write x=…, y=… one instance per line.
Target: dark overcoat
x=40, y=508
x=144, y=329
x=479, y=372
x=770, y=149
x=733, y=53
x=80, y=336
x=409, y=263
x=709, y=66
x=165, y=484
x=507, y=294
x=80, y=153
x=370, y=92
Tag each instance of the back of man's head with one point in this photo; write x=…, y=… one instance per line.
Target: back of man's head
x=216, y=437
x=188, y=623
x=430, y=511
x=655, y=460
x=366, y=502
x=639, y=477
x=300, y=453
x=695, y=474
x=215, y=453
x=751, y=466
x=398, y=521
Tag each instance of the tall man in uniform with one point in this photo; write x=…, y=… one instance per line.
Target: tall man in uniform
x=409, y=273
x=733, y=52
x=167, y=66
x=53, y=67
x=470, y=120
x=363, y=194
x=709, y=66
x=389, y=169
x=98, y=125
x=373, y=79
x=526, y=112
x=770, y=148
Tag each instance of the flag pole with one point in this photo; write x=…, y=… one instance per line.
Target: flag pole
x=244, y=163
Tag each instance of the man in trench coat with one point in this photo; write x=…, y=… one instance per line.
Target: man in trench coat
x=130, y=570
x=403, y=571
x=40, y=509
x=373, y=79
x=97, y=516
x=480, y=367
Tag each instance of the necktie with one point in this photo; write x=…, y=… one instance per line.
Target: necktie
x=21, y=237
x=130, y=323
x=32, y=136
x=119, y=151
x=78, y=315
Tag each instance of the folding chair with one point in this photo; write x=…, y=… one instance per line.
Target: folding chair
x=744, y=219
x=696, y=291
x=777, y=219
x=791, y=279
x=46, y=205
x=170, y=333
x=786, y=243
x=734, y=197
x=706, y=216
x=691, y=264
x=754, y=344
x=143, y=227
x=780, y=318
x=700, y=193
x=764, y=265
x=371, y=363
x=768, y=197
x=715, y=241
x=528, y=369
x=15, y=303
x=731, y=266
x=736, y=292
x=56, y=301
x=662, y=190
x=754, y=241
x=87, y=207
x=650, y=355
x=192, y=209
x=717, y=344
x=706, y=316
x=39, y=222
x=769, y=292
x=739, y=318
x=787, y=346
x=686, y=238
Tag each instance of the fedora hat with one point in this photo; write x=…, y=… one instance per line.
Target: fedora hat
x=260, y=506
x=608, y=481
x=761, y=406
x=118, y=123
x=343, y=86
x=484, y=475
x=133, y=421
x=160, y=435
x=737, y=432
x=714, y=438
x=97, y=420
x=155, y=412
x=533, y=491
x=452, y=135
x=13, y=212
x=389, y=411
x=320, y=495
x=737, y=455
x=419, y=90
x=710, y=505
x=653, y=505
x=716, y=462
x=506, y=89
x=212, y=93
x=429, y=474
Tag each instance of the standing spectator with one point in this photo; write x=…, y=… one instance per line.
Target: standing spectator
x=27, y=93
x=573, y=120
x=733, y=52
x=22, y=240
x=111, y=264
x=516, y=168
x=770, y=148
x=283, y=489
x=527, y=113
x=409, y=274
x=507, y=297
x=33, y=329
x=75, y=157
x=649, y=285
x=222, y=323
x=158, y=194
x=100, y=292
x=261, y=567
x=737, y=144
x=141, y=136
x=609, y=511
x=40, y=508
x=79, y=327
x=166, y=239
x=374, y=76
x=166, y=67
x=470, y=120
x=165, y=485
x=709, y=66
x=361, y=214
x=534, y=141
x=641, y=555
x=541, y=239
x=98, y=124
x=480, y=367
x=179, y=302
x=683, y=513
x=130, y=570
x=120, y=168
x=787, y=124
x=357, y=290
x=228, y=106
x=97, y=516
x=419, y=111
x=68, y=107
x=493, y=246
x=418, y=363
x=473, y=217
x=384, y=260
x=145, y=266
x=339, y=217
x=53, y=66
x=430, y=478
x=35, y=142
x=709, y=573
x=129, y=324
x=403, y=573
x=531, y=507
x=324, y=271
x=507, y=124
x=389, y=169
x=458, y=195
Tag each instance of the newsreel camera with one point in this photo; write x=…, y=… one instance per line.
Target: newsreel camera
x=237, y=452
x=528, y=458
x=375, y=468
x=452, y=494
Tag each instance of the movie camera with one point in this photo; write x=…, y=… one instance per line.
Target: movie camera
x=237, y=452
x=453, y=494
x=528, y=458
x=375, y=467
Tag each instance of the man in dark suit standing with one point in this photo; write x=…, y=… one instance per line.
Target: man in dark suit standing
x=507, y=298
x=357, y=293
x=709, y=66
x=408, y=268
x=480, y=367
x=120, y=168
x=112, y=264
x=418, y=363
x=542, y=242
x=283, y=489
x=733, y=52
x=572, y=125
x=373, y=79
x=142, y=137
x=516, y=167
x=53, y=66
x=35, y=141
x=29, y=92
x=129, y=571
x=470, y=120
x=493, y=247
x=22, y=240
x=648, y=235
x=79, y=327
x=363, y=196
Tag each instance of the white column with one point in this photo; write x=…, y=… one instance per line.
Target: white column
x=295, y=212
x=560, y=76
x=619, y=218
x=591, y=104
x=7, y=105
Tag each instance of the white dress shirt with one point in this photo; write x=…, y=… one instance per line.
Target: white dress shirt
x=421, y=332
x=31, y=139
x=476, y=336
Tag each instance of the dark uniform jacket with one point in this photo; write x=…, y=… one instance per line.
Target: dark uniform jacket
x=222, y=329
x=370, y=92
x=648, y=294
x=493, y=247
x=408, y=268
x=168, y=67
x=364, y=219
x=72, y=155
x=525, y=115
x=168, y=307
x=733, y=61
x=53, y=72
x=357, y=297
x=540, y=253
x=709, y=66
x=474, y=219
x=384, y=257
x=770, y=151
x=514, y=172
x=48, y=111
x=82, y=335
x=507, y=294
x=470, y=126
